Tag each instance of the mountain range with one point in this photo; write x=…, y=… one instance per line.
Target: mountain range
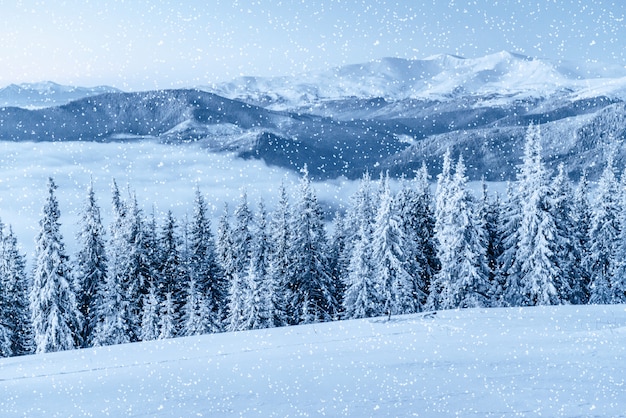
x=391, y=114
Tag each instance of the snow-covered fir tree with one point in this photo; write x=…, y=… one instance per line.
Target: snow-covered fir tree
x=150, y=315
x=171, y=269
x=112, y=319
x=278, y=259
x=489, y=212
x=259, y=308
x=394, y=283
x=536, y=256
x=567, y=252
x=581, y=223
x=604, y=235
x=361, y=298
x=507, y=274
x=204, y=266
x=618, y=275
x=91, y=264
x=242, y=236
x=14, y=293
x=195, y=317
x=310, y=288
x=463, y=278
x=414, y=207
x=168, y=318
x=55, y=316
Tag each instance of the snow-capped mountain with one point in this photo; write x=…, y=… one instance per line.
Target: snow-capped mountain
x=45, y=94
x=498, y=77
x=391, y=114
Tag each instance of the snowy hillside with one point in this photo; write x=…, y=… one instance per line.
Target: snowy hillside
x=391, y=114
x=566, y=361
x=46, y=94
x=504, y=75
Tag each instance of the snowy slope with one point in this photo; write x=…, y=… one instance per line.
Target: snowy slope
x=502, y=77
x=566, y=361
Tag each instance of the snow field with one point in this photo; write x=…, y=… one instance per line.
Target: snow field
x=542, y=361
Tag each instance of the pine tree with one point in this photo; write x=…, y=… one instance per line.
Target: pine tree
x=225, y=252
x=362, y=299
x=604, y=235
x=508, y=273
x=150, y=316
x=618, y=275
x=489, y=212
x=112, y=318
x=171, y=270
x=581, y=221
x=394, y=283
x=167, y=322
x=537, y=252
x=15, y=289
x=567, y=255
x=195, y=318
x=414, y=207
x=91, y=265
x=278, y=258
x=204, y=266
x=444, y=246
x=310, y=288
x=55, y=315
x=242, y=236
x=464, y=274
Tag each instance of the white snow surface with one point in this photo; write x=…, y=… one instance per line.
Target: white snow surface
x=502, y=77
x=566, y=361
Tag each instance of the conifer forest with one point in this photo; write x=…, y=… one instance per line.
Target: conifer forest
x=548, y=241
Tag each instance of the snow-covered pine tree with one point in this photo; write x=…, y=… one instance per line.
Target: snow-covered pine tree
x=204, y=266
x=508, y=273
x=567, y=255
x=168, y=318
x=489, y=211
x=242, y=236
x=414, y=207
x=259, y=307
x=444, y=247
x=581, y=222
x=394, y=283
x=238, y=293
x=310, y=289
x=6, y=328
x=171, y=270
x=150, y=315
x=537, y=247
x=54, y=312
x=225, y=257
x=15, y=285
x=112, y=319
x=361, y=298
x=337, y=258
x=278, y=259
x=604, y=235
x=195, y=317
x=91, y=264
x=464, y=274
x=618, y=275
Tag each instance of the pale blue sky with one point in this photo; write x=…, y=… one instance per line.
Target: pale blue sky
x=137, y=44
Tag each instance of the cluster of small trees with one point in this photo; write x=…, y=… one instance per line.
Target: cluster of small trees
x=389, y=253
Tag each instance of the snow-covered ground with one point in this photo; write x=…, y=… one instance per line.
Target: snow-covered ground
x=547, y=361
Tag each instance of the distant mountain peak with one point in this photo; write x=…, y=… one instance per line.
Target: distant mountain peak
x=46, y=94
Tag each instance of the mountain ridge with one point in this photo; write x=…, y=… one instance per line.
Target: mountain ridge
x=390, y=114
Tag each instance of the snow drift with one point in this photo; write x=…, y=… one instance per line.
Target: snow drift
x=543, y=361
